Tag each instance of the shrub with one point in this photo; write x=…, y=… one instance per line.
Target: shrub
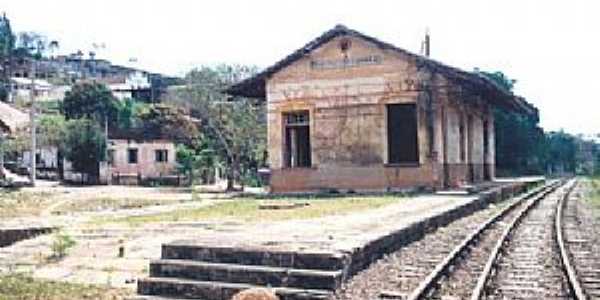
x=61, y=245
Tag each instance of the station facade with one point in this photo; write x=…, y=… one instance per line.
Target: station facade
x=350, y=112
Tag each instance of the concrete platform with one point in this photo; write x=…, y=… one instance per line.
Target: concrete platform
x=306, y=259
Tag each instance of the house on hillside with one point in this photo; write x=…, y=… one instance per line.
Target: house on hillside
x=350, y=112
x=135, y=85
x=44, y=91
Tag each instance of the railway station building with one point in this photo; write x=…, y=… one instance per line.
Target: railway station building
x=350, y=112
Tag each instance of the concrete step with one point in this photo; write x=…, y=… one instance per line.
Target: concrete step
x=263, y=257
x=212, y=290
x=251, y=274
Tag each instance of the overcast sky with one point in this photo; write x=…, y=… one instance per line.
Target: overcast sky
x=552, y=48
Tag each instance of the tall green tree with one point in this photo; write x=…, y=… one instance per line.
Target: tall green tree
x=520, y=141
x=85, y=147
x=51, y=134
x=128, y=111
x=597, y=161
x=7, y=37
x=93, y=101
x=562, y=152
x=237, y=126
x=7, y=45
x=51, y=129
x=168, y=122
x=197, y=160
x=522, y=147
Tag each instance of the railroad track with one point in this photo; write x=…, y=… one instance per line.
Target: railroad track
x=459, y=274
x=542, y=246
x=400, y=273
x=579, y=245
x=547, y=248
x=526, y=263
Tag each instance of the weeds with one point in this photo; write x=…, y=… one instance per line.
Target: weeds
x=61, y=244
x=23, y=286
x=247, y=210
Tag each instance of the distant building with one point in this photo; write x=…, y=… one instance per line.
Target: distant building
x=137, y=161
x=43, y=90
x=46, y=161
x=65, y=70
x=350, y=112
x=136, y=85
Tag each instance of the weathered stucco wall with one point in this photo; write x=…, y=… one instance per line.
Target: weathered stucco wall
x=347, y=102
x=348, y=121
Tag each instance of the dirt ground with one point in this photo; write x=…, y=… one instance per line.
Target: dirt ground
x=95, y=258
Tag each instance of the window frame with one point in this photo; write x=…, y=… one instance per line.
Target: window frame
x=293, y=120
x=161, y=155
x=388, y=134
x=110, y=156
x=129, y=152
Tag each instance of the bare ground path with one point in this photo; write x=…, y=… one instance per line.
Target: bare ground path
x=94, y=259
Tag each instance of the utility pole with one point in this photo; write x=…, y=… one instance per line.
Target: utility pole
x=32, y=112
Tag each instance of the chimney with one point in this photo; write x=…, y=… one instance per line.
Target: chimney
x=427, y=43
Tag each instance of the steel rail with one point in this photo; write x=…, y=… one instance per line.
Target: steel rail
x=441, y=268
x=479, y=289
x=572, y=278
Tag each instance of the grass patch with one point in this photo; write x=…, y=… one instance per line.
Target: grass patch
x=106, y=203
x=21, y=286
x=593, y=196
x=15, y=203
x=247, y=210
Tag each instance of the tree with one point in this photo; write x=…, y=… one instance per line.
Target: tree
x=520, y=142
x=51, y=130
x=128, y=113
x=168, y=122
x=7, y=44
x=238, y=127
x=92, y=101
x=562, y=149
x=597, y=161
x=197, y=160
x=85, y=147
x=7, y=37
x=32, y=44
